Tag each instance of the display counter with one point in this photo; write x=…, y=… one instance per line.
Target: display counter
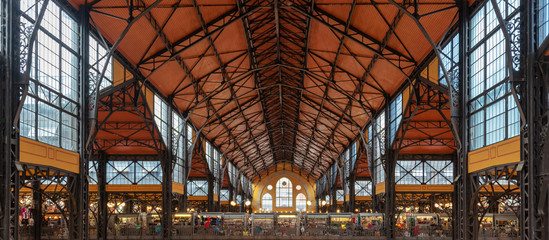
x=287, y=224
x=370, y=224
x=341, y=224
x=263, y=224
x=316, y=224
x=235, y=224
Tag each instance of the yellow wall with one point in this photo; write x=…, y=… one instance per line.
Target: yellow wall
x=149, y=96
x=134, y=188
x=424, y=188
x=46, y=188
x=120, y=74
x=504, y=152
x=380, y=188
x=197, y=198
x=498, y=189
x=177, y=187
x=363, y=198
x=260, y=188
x=38, y=153
x=431, y=72
x=406, y=93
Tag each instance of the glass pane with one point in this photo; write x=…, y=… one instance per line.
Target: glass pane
x=284, y=192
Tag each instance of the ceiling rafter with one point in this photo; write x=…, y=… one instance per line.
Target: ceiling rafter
x=253, y=66
x=256, y=39
x=306, y=103
x=195, y=37
x=331, y=77
x=333, y=135
x=226, y=77
x=319, y=14
x=126, y=99
x=171, y=49
x=392, y=26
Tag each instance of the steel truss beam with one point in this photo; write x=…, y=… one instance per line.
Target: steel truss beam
x=210, y=37
x=172, y=49
x=57, y=186
x=16, y=56
x=425, y=97
x=529, y=88
x=127, y=99
x=366, y=40
x=101, y=197
x=488, y=186
x=95, y=81
x=542, y=164
x=464, y=221
x=254, y=65
x=184, y=43
x=268, y=51
x=226, y=77
x=347, y=25
x=285, y=43
x=420, y=164
x=9, y=102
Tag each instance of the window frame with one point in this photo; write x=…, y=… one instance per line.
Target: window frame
x=284, y=199
x=263, y=201
x=53, y=85
x=300, y=201
x=484, y=29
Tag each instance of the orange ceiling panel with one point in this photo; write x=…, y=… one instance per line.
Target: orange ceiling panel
x=272, y=83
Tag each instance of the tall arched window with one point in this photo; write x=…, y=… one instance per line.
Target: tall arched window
x=301, y=203
x=267, y=202
x=284, y=193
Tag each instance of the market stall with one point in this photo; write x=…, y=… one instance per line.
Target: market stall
x=235, y=224
x=263, y=224
x=371, y=224
x=287, y=224
x=341, y=224
x=315, y=224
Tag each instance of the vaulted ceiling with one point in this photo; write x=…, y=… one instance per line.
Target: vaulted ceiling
x=275, y=81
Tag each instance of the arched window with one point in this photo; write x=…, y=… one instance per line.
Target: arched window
x=267, y=202
x=301, y=203
x=284, y=193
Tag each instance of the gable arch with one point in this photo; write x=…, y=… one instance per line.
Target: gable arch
x=260, y=188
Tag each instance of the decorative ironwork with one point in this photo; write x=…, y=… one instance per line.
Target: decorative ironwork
x=513, y=27
x=490, y=186
x=277, y=74
x=424, y=202
x=26, y=32
x=57, y=187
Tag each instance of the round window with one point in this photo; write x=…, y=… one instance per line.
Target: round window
x=298, y=187
x=270, y=187
x=284, y=183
